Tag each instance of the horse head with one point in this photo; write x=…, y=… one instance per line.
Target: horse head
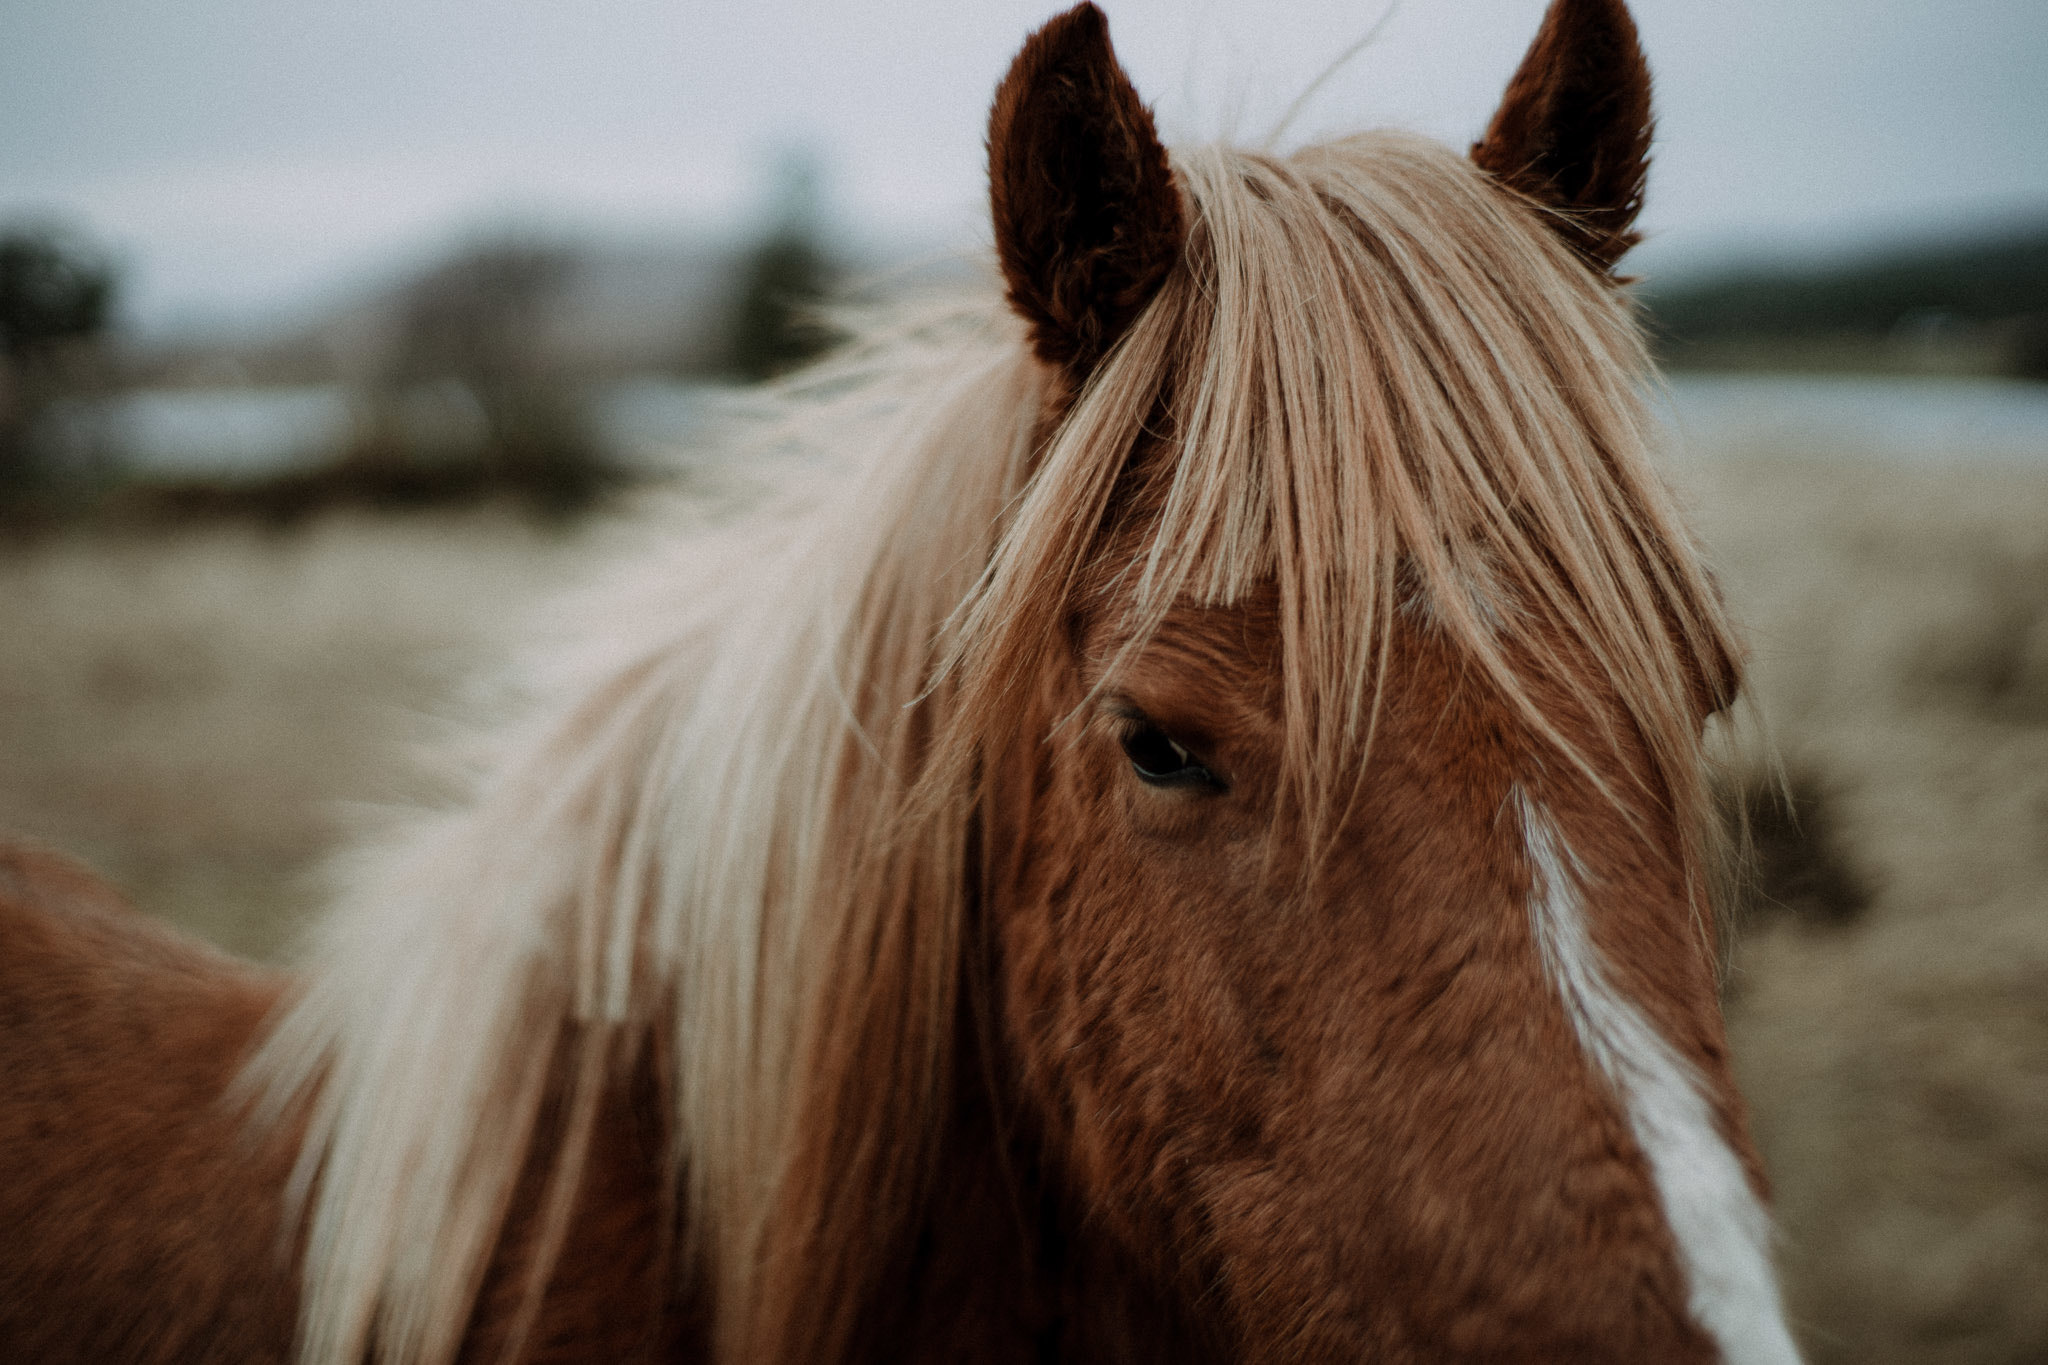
x=1338, y=702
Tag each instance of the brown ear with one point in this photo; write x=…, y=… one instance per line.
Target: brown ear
x=1087, y=220
x=1573, y=132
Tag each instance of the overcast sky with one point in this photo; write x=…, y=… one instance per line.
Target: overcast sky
x=248, y=155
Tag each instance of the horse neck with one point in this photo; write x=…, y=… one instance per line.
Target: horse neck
x=1006, y=1263
x=1002, y=1267
x=613, y=1288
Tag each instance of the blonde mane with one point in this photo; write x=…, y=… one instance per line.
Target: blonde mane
x=739, y=838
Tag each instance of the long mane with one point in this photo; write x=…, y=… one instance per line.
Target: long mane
x=736, y=837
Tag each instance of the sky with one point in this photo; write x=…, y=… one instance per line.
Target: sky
x=242, y=158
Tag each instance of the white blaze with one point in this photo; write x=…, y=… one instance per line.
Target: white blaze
x=1723, y=1233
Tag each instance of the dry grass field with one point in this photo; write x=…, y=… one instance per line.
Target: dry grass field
x=1890, y=1014
x=203, y=712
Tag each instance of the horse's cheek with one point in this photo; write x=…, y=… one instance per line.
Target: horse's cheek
x=1128, y=1008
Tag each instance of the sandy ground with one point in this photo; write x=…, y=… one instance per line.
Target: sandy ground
x=203, y=713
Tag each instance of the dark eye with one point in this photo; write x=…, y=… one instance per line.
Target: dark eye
x=1161, y=762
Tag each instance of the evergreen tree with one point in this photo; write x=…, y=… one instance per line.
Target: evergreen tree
x=56, y=297
x=782, y=282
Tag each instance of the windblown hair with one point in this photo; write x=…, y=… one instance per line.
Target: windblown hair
x=741, y=841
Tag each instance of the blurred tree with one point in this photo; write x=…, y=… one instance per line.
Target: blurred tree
x=56, y=299
x=483, y=315
x=782, y=281
x=474, y=399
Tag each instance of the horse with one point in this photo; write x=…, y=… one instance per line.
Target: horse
x=1183, y=836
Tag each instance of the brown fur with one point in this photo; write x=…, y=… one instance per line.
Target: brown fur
x=146, y=1221
x=1086, y=216
x=612, y=1289
x=1573, y=132
x=141, y=1223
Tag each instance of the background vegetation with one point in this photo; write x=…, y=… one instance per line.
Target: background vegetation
x=1973, y=306
x=476, y=378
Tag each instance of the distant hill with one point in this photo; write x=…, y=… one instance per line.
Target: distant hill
x=1979, y=306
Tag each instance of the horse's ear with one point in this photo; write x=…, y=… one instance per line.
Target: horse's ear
x=1087, y=219
x=1573, y=132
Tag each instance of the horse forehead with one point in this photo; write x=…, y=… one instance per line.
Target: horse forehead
x=1225, y=653
x=1196, y=651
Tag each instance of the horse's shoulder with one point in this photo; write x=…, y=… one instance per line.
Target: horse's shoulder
x=64, y=929
x=32, y=876
x=144, y=1219
x=104, y=1008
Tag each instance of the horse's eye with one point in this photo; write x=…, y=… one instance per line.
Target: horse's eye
x=1161, y=762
